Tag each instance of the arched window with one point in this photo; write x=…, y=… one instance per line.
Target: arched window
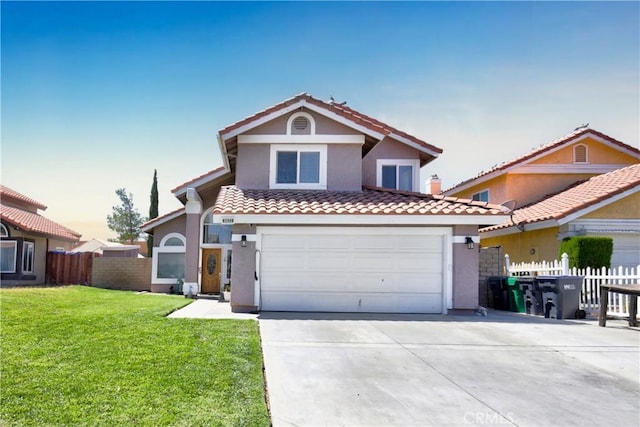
x=215, y=233
x=580, y=154
x=169, y=259
x=4, y=231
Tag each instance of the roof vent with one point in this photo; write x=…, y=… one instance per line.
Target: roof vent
x=301, y=123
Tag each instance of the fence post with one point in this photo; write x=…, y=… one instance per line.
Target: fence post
x=507, y=264
x=565, y=264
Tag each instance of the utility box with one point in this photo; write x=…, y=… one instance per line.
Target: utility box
x=561, y=296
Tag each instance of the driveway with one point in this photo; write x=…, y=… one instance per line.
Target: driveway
x=415, y=370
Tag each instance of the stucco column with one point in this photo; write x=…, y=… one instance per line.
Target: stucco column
x=466, y=264
x=194, y=210
x=243, y=269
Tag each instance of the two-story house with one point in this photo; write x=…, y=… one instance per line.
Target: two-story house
x=585, y=183
x=26, y=237
x=316, y=208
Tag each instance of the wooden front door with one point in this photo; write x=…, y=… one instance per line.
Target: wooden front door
x=211, y=270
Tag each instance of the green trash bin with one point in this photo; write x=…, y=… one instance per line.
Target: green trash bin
x=516, y=295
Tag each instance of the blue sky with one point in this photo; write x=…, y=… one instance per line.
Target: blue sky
x=97, y=95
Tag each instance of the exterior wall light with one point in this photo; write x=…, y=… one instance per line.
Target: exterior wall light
x=243, y=241
x=469, y=241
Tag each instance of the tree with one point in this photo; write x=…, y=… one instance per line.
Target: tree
x=125, y=219
x=153, y=209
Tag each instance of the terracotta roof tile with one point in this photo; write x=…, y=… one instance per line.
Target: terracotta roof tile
x=371, y=201
x=8, y=192
x=342, y=110
x=547, y=147
x=162, y=217
x=580, y=196
x=204, y=175
x=31, y=222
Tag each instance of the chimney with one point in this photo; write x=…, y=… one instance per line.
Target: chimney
x=433, y=185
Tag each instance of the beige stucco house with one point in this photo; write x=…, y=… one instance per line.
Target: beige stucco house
x=26, y=237
x=316, y=208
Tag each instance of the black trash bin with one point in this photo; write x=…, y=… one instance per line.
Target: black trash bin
x=532, y=295
x=498, y=297
x=561, y=296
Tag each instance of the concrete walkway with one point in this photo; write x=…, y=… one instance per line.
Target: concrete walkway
x=420, y=370
x=210, y=309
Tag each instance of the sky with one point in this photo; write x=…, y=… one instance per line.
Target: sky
x=96, y=95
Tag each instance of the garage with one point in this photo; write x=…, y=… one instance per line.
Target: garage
x=354, y=269
x=626, y=250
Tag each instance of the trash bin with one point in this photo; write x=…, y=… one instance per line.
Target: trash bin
x=561, y=296
x=532, y=295
x=498, y=296
x=516, y=296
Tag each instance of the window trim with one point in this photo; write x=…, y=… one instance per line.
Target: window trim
x=486, y=190
x=167, y=249
x=316, y=148
x=4, y=231
x=25, y=251
x=15, y=257
x=415, y=163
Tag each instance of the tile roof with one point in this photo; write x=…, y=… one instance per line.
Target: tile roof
x=545, y=148
x=580, y=196
x=31, y=222
x=8, y=192
x=371, y=201
x=160, y=219
x=341, y=110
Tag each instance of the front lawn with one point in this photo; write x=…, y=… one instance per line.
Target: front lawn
x=84, y=356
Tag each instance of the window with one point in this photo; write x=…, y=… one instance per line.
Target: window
x=8, y=251
x=169, y=259
x=580, y=154
x=4, y=231
x=215, y=233
x=297, y=166
x=27, y=257
x=398, y=174
x=482, y=196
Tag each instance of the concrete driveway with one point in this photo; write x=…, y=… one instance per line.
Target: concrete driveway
x=415, y=370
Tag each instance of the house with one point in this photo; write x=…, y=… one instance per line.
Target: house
x=110, y=249
x=94, y=245
x=607, y=204
x=554, y=194
x=26, y=237
x=316, y=208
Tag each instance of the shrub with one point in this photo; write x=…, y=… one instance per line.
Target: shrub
x=587, y=251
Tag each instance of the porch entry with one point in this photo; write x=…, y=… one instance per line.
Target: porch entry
x=211, y=270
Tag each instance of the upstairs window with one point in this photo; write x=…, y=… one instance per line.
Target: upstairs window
x=298, y=166
x=481, y=196
x=398, y=174
x=580, y=154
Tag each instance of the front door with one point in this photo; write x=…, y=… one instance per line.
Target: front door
x=211, y=268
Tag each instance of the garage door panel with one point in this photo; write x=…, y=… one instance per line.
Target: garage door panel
x=351, y=270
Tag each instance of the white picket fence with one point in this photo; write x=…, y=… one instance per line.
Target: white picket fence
x=593, y=278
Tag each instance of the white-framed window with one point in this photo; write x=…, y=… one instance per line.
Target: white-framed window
x=28, y=253
x=481, y=196
x=4, y=231
x=215, y=233
x=295, y=166
x=169, y=259
x=8, y=253
x=398, y=174
x=580, y=154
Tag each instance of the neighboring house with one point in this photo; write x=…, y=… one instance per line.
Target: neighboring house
x=110, y=249
x=95, y=245
x=605, y=205
x=528, y=185
x=316, y=208
x=27, y=236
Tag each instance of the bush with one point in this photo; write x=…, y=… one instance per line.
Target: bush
x=587, y=251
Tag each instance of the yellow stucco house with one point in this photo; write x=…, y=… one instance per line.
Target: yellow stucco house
x=586, y=183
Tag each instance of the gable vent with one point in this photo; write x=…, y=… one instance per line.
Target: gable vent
x=580, y=154
x=301, y=123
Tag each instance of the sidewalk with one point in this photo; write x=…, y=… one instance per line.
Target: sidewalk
x=210, y=309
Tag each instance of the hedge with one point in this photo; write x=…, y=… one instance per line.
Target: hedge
x=587, y=251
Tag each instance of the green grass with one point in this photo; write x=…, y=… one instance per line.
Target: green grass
x=84, y=356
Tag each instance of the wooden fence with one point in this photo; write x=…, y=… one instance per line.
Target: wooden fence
x=593, y=278
x=69, y=268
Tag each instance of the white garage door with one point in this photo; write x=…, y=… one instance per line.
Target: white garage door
x=626, y=250
x=352, y=269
